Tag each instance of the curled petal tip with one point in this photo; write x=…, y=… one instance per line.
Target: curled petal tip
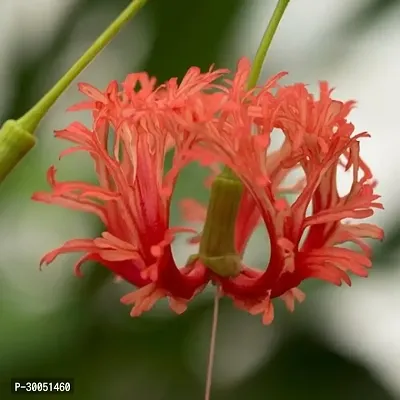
x=78, y=273
x=41, y=265
x=135, y=312
x=35, y=196
x=125, y=300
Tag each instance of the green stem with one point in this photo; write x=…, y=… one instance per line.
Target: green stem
x=16, y=137
x=266, y=42
x=15, y=142
x=217, y=246
x=32, y=118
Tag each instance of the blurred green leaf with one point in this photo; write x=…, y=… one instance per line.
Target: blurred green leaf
x=311, y=371
x=372, y=13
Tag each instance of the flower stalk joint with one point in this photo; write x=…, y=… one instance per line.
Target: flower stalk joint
x=15, y=142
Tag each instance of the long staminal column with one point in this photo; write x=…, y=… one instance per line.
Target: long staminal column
x=217, y=248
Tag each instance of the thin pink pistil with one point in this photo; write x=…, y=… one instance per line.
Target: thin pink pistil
x=211, y=354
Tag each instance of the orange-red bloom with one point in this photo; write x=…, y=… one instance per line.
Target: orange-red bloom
x=132, y=197
x=229, y=125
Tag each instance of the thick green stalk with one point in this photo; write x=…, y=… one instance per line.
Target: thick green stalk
x=16, y=137
x=15, y=142
x=217, y=246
